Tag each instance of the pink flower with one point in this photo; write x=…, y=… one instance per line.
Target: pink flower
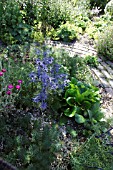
x=1, y=73
x=20, y=81
x=10, y=86
x=18, y=87
x=8, y=92
x=3, y=70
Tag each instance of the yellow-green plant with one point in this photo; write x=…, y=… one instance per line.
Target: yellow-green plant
x=105, y=43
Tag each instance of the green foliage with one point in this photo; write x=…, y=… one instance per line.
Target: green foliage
x=78, y=69
x=101, y=23
x=66, y=32
x=59, y=13
x=28, y=144
x=109, y=8
x=105, y=43
x=93, y=154
x=16, y=70
x=82, y=102
x=82, y=7
x=75, y=66
x=15, y=24
x=81, y=21
x=91, y=61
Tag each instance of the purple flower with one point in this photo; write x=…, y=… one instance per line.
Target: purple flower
x=8, y=92
x=18, y=87
x=38, y=52
x=48, y=60
x=20, y=81
x=43, y=105
x=36, y=99
x=1, y=73
x=10, y=86
x=43, y=95
x=3, y=70
x=33, y=76
x=46, y=53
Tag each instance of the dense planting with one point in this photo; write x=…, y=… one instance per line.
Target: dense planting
x=50, y=110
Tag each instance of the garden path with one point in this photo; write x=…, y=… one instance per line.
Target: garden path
x=103, y=74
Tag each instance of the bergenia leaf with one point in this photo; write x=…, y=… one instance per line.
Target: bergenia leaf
x=79, y=118
x=71, y=101
x=87, y=105
x=70, y=112
x=70, y=93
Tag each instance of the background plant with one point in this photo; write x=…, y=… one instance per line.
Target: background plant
x=109, y=8
x=75, y=66
x=15, y=22
x=66, y=32
x=105, y=43
x=91, y=61
x=94, y=28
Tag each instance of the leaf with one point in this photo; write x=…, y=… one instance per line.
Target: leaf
x=87, y=104
x=63, y=120
x=70, y=112
x=79, y=118
x=73, y=80
x=71, y=101
x=73, y=133
x=90, y=113
x=70, y=93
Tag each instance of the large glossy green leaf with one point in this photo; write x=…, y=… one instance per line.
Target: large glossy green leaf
x=70, y=112
x=70, y=93
x=71, y=101
x=79, y=118
x=86, y=104
x=73, y=80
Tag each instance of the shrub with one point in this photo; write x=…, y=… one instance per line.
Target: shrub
x=100, y=23
x=66, y=32
x=105, y=43
x=109, y=8
x=82, y=7
x=81, y=21
x=59, y=13
x=91, y=60
x=52, y=14
x=15, y=23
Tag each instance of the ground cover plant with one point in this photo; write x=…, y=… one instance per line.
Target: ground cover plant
x=50, y=111
x=95, y=155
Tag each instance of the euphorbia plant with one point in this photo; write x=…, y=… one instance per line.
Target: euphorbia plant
x=82, y=101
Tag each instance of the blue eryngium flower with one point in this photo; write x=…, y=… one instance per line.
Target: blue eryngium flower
x=33, y=76
x=48, y=74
